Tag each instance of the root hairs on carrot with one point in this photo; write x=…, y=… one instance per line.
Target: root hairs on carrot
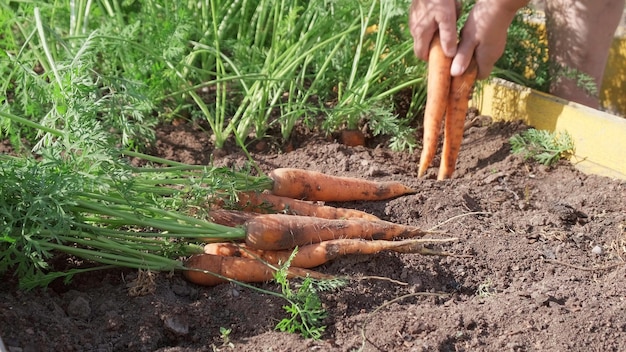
x=279, y=231
x=316, y=254
x=264, y=202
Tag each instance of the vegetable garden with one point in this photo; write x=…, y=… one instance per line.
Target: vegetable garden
x=149, y=156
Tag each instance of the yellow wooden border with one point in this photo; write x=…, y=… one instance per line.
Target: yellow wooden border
x=599, y=137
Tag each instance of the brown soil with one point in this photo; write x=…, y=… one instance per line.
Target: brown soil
x=546, y=273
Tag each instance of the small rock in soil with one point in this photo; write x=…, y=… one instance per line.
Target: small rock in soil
x=113, y=321
x=176, y=324
x=567, y=213
x=181, y=289
x=79, y=308
x=549, y=254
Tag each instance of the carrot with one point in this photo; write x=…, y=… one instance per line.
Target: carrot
x=311, y=185
x=438, y=88
x=266, y=203
x=230, y=218
x=211, y=270
x=316, y=254
x=460, y=90
x=279, y=231
x=352, y=138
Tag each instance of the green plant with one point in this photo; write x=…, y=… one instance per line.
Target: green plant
x=225, y=337
x=77, y=195
x=542, y=146
x=382, y=66
x=56, y=81
x=306, y=313
x=526, y=60
x=245, y=67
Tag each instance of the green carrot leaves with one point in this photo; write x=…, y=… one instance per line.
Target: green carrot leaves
x=543, y=146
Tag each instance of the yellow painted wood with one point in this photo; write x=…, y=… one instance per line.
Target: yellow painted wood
x=599, y=137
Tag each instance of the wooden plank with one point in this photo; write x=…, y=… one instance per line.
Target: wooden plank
x=599, y=137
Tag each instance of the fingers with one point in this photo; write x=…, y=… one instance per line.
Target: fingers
x=447, y=33
x=484, y=37
x=428, y=16
x=421, y=42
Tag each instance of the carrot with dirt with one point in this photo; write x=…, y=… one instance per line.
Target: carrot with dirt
x=317, y=186
x=211, y=270
x=438, y=89
x=263, y=202
x=460, y=91
x=279, y=231
x=316, y=254
x=232, y=218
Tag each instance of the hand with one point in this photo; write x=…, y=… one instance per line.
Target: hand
x=428, y=16
x=483, y=36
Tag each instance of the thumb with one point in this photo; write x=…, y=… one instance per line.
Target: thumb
x=462, y=59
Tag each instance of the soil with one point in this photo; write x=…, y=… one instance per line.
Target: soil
x=544, y=266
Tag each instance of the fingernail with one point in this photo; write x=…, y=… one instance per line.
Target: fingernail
x=456, y=69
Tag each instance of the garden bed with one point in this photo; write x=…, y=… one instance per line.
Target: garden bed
x=546, y=272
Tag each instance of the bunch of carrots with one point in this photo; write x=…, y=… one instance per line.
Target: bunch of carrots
x=321, y=233
x=289, y=217
x=446, y=102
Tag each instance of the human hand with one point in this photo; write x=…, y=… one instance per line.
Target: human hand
x=429, y=16
x=483, y=36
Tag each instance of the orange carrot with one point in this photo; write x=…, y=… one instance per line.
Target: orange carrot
x=460, y=90
x=438, y=88
x=279, y=231
x=352, y=138
x=202, y=268
x=230, y=218
x=311, y=185
x=267, y=203
x=316, y=254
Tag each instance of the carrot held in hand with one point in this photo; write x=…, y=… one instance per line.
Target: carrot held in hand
x=438, y=89
x=279, y=231
x=460, y=91
x=211, y=270
x=316, y=254
x=266, y=203
x=316, y=186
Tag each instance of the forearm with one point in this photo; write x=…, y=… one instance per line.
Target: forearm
x=501, y=11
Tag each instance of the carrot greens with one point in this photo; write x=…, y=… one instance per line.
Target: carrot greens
x=79, y=196
x=543, y=146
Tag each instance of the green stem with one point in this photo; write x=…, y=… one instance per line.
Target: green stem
x=138, y=260
x=171, y=228
x=46, y=49
x=31, y=124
